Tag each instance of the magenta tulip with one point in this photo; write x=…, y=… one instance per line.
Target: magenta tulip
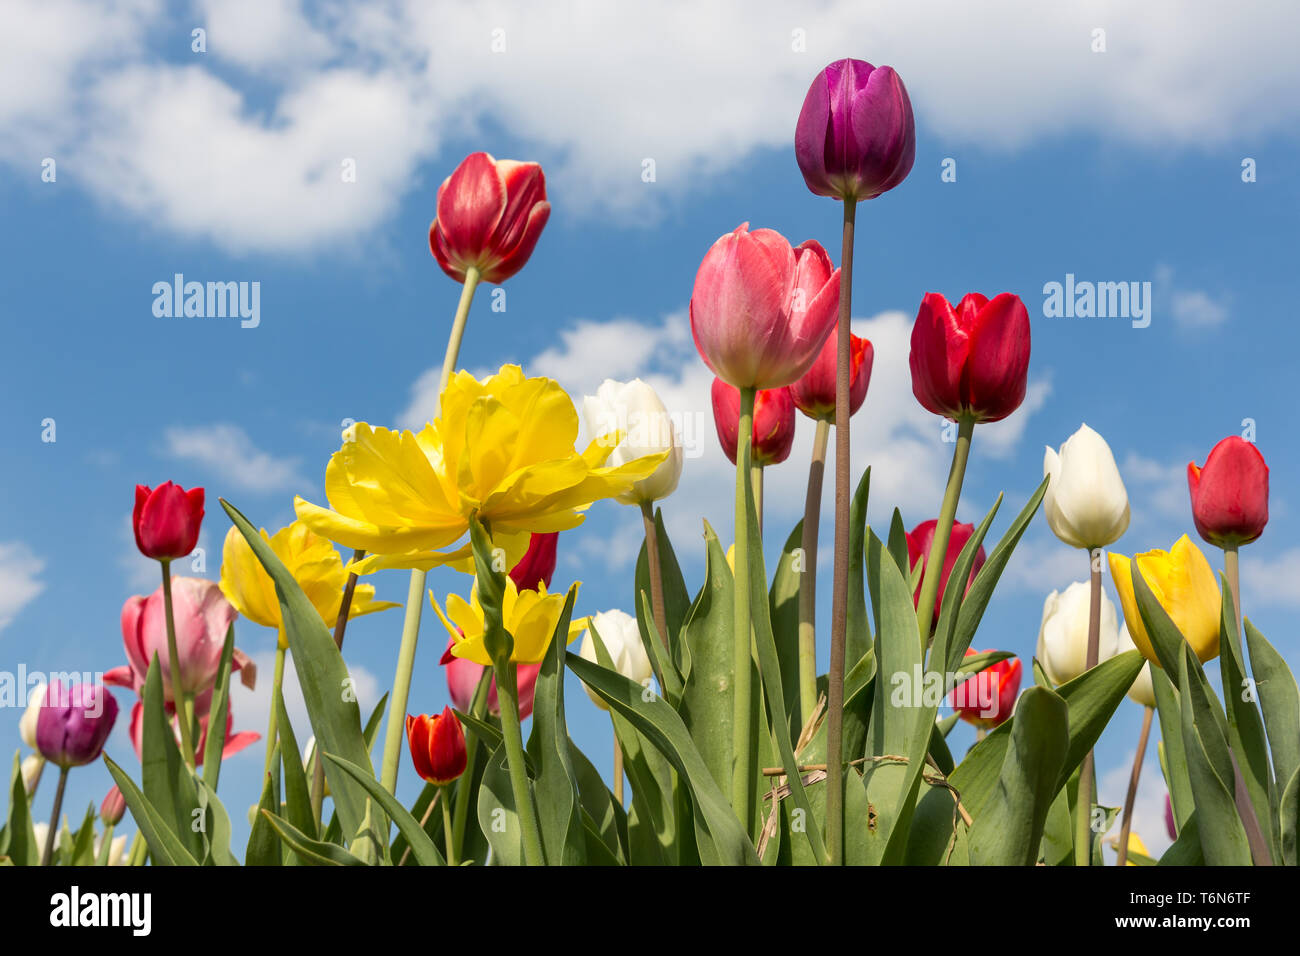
x=74, y=723
x=760, y=310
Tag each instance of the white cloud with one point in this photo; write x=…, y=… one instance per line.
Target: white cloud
x=230, y=454
x=1272, y=582
x=249, y=156
x=1196, y=309
x=1155, y=488
x=20, y=582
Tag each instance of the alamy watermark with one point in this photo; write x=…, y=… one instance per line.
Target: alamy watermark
x=208, y=300
x=19, y=688
x=1073, y=299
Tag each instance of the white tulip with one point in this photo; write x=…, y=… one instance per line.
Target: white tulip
x=1142, y=691
x=621, y=636
x=1063, y=635
x=31, y=771
x=27, y=723
x=117, y=855
x=1085, y=504
x=634, y=408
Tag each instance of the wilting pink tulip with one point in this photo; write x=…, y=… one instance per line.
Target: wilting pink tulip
x=773, y=422
x=814, y=394
x=919, y=540
x=166, y=520
x=538, y=562
x=74, y=723
x=972, y=360
x=760, y=310
x=855, y=138
x=113, y=807
x=1230, y=494
x=490, y=216
x=202, y=617
x=202, y=708
x=463, y=677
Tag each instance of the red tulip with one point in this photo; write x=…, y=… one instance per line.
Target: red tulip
x=463, y=677
x=1230, y=493
x=972, y=360
x=988, y=697
x=773, y=422
x=490, y=216
x=814, y=394
x=113, y=808
x=166, y=520
x=437, y=746
x=919, y=540
x=760, y=310
x=538, y=562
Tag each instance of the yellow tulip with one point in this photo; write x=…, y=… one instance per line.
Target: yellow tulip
x=529, y=616
x=501, y=449
x=312, y=561
x=1183, y=583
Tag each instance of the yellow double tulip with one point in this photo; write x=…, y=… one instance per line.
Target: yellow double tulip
x=1185, y=586
x=501, y=449
x=529, y=616
x=312, y=561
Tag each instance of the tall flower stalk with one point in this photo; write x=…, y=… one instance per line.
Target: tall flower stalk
x=742, y=768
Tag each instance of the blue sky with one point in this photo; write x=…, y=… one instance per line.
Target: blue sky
x=1122, y=165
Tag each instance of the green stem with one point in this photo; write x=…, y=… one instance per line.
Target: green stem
x=53, y=831
x=742, y=770
x=1083, y=806
x=756, y=479
x=512, y=737
x=273, y=724
x=808, y=575
x=1232, y=568
x=840, y=588
x=618, y=770
x=395, y=729
x=934, y=561
x=656, y=572
x=174, y=665
x=458, y=327
x=478, y=708
x=1131, y=799
x=446, y=826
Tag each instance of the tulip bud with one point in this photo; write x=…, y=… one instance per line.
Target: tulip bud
x=1142, y=691
x=74, y=723
x=1063, y=634
x=621, y=636
x=856, y=137
x=919, y=540
x=1185, y=586
x=814, y=394
x=988, y=697
x=166, y=520
x=463, y=676
x=490, y=216
x=760, y=310
x=437, y=746
x=113, y=807
x=972, y=360
x=1230, y=493
x=1170, y=827
x=1085, y=502
x=635, y=411
x=27, y=723
x=538, y=562
x=773, y=433
x=31, y=768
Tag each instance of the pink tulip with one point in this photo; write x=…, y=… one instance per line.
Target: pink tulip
x=202, y=705
x=760, y=310
x=463, y=677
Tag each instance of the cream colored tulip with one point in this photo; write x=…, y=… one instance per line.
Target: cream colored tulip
x=1063, y=634
x=27, y=723
x=32, y=766
x=1142, y=691
x=621, y=635
x=1085, y=504
x=635, y=410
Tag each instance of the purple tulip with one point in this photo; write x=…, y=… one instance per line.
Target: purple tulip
x=856, y=137
x=74, y=723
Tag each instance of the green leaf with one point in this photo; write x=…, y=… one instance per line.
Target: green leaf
x=857, y=631
x=677, y=601
x=297, y=794
x=422, y=848
x=1288, y=811
x=165, y=779
x=661, y=662
x=605, y=815
x=1008, y=830
x=165, y=847
x=946, y=625
x=498, y=817
x=83, y=842
x=1173, y=759
x=783, y=608
x=310, y=852
x=217, y=828
x=488, y=735
x=217, y=712
x=1280, y=700
x=22, y=848
x=1186, y=850
x=323, y=675
x=720, y=835
x=263, y=847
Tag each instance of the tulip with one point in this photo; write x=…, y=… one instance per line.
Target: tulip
x=919, y=541
x=1170, y=827
x=234, y=743
x=856, y=137
x=463, y=676
x=166, y=520
x=814, y=394
x=1143, y=691
x=1183, y=583
x=202, y=617
x=760, y=310
x=511, y=463
x=537, y=564
x=530, y=617
x=113, y=807
x=117, y=855
x=437, y=746
x=1063, y=634
x=27, y=723
x=32, y=767
x=490, y=216
x=774, y=423
x=1230, y=493
x=971, y=361
x=621, y=636
x=74, y=723
x=1085, y=502
x=987, y=698
x=635, y=411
